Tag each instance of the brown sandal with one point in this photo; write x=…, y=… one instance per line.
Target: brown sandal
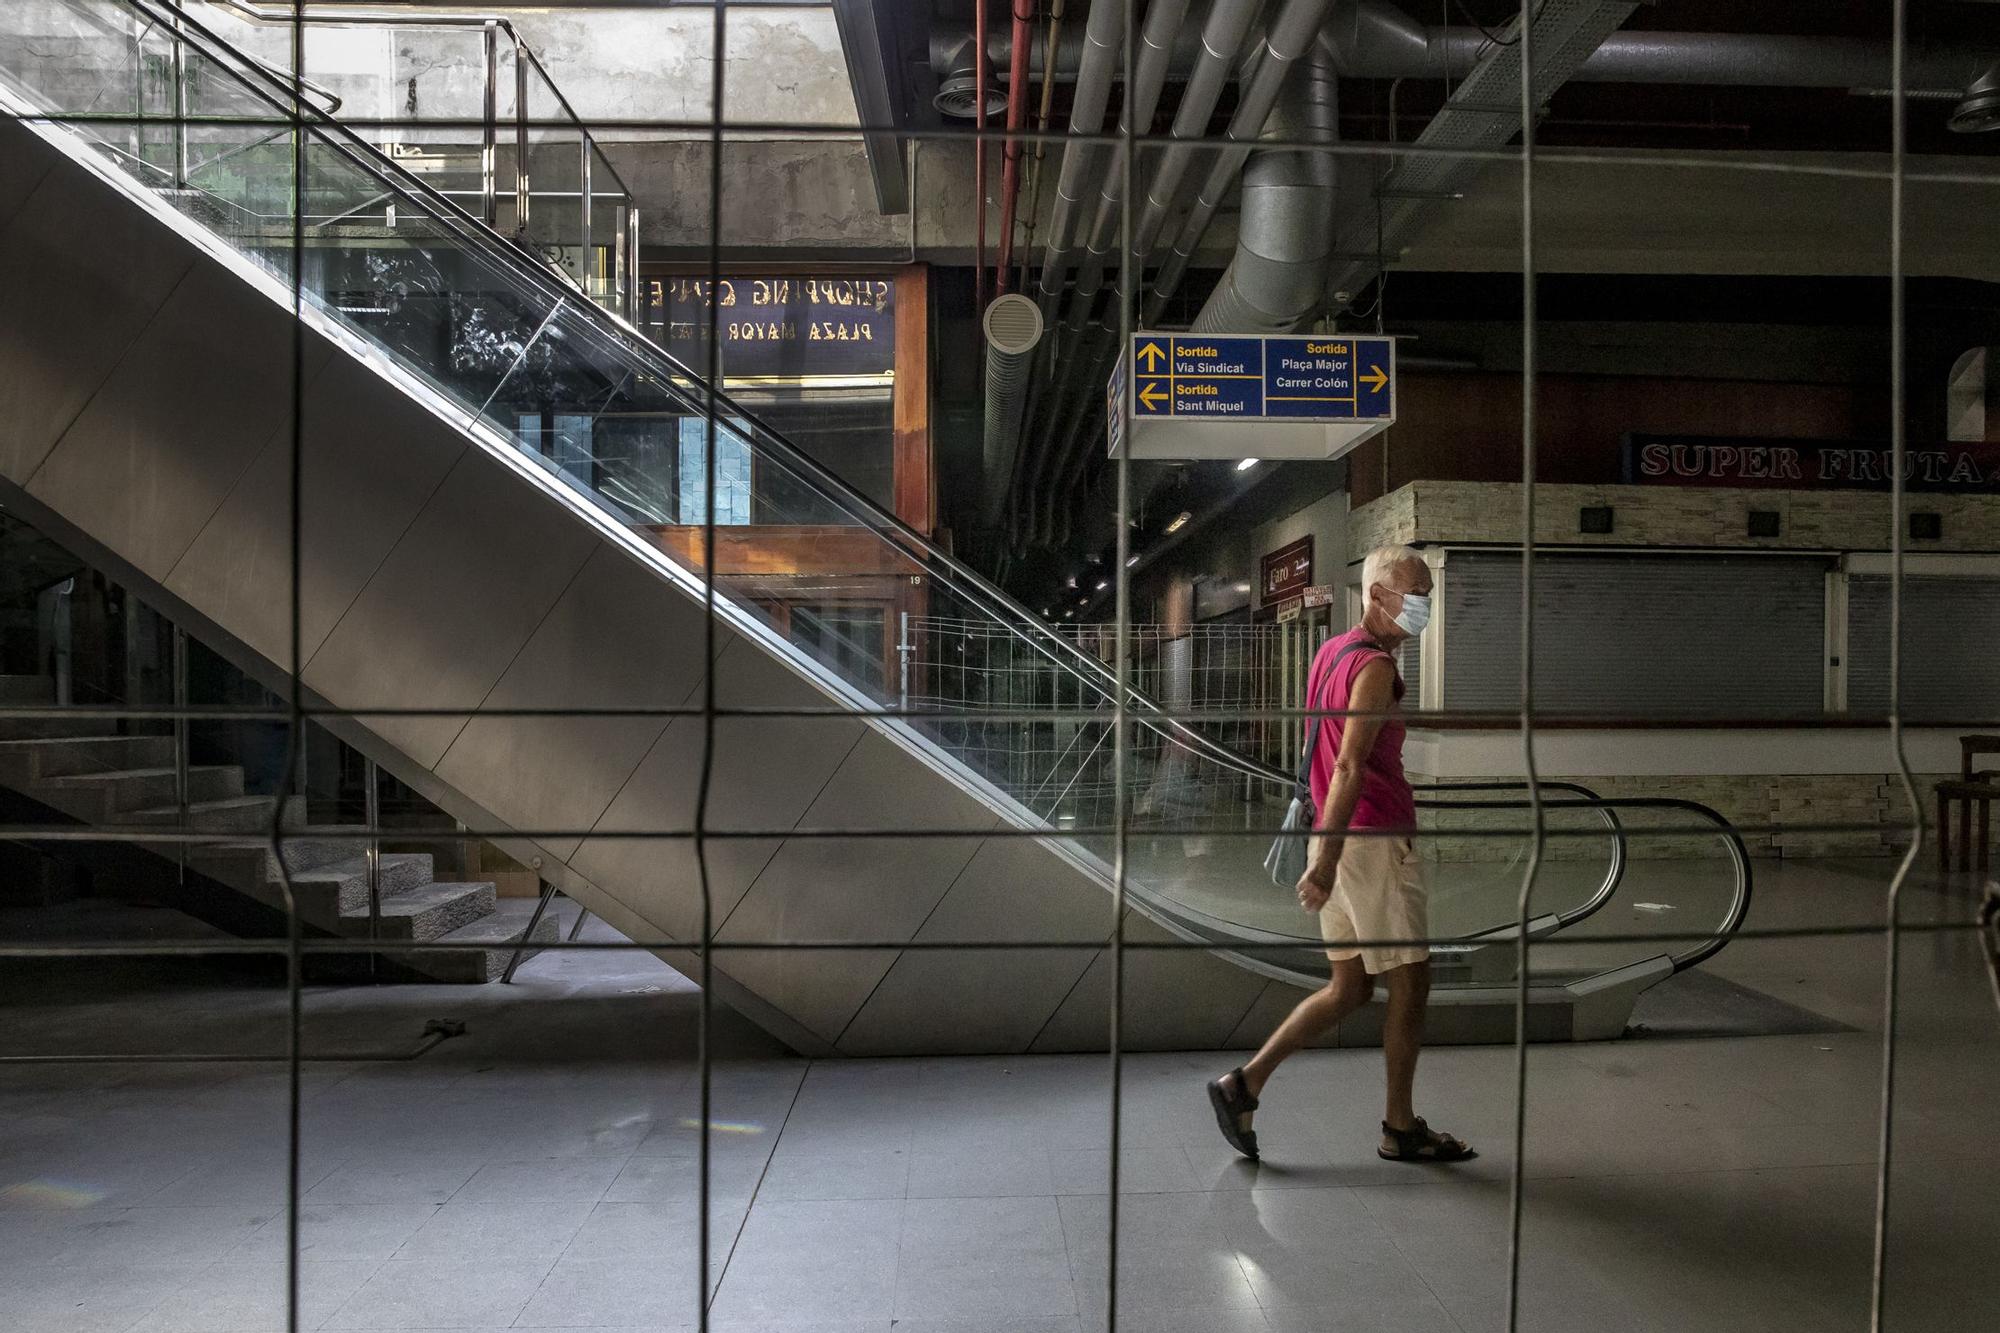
x=1231, y=1105
x=1421, y=1143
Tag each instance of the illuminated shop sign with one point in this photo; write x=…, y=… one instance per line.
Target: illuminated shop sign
x=779, y=329
x=1807, y=465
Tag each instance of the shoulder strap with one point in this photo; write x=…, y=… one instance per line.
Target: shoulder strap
x=1302, y=785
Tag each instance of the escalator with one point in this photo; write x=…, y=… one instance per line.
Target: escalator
x=179, y=214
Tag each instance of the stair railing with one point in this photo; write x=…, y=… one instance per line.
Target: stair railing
x=493, y=28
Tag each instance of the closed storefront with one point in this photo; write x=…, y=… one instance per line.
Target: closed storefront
x=1690, y=636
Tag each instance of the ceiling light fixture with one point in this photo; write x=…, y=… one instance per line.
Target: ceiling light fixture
x=1131, y=560
x=1102, y=584
x=1247, y=464
x=1180, y=521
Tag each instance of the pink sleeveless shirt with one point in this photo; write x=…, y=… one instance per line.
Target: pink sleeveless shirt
x=1386, y=799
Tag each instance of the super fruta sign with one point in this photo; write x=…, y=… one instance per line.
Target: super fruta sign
x=1808, y=464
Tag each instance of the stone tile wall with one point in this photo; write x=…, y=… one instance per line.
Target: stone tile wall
x=1466, y=511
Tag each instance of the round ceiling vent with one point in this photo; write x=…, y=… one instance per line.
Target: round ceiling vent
x=958, y=96
x=1013, y=324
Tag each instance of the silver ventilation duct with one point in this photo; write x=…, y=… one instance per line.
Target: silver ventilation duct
x=1104, y=37
x=1276, y=278
x=1223, y=32
x=1013, y=325
x=1384, y=42
x=957, y=95
x=1164, y=21
x=1221, y=39
x=1292, y=34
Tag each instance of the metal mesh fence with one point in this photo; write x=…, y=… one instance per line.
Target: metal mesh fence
x=1075, y=761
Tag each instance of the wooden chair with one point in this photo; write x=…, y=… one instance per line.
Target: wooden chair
x=1979, y=787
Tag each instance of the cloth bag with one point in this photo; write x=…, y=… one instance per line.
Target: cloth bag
x=1286, y=861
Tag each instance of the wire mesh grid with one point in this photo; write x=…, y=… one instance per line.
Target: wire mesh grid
x=1222, y=680
x=1086, y=765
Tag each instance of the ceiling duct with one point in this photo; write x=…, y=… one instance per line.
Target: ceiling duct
x=1283, y=236
x=1229, y=22
x=1292, y=34
x=1013, y=325
x=1382, y=41
x=1164, y=21
x=1477, y=116
x=1104, y=36
x=958, y=86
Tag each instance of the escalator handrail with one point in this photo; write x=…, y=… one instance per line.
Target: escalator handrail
x=334, y=101
x=1607, y=888
x=964, y=580
x=1739, y=855
x=1614, y=873
x=1699, y=952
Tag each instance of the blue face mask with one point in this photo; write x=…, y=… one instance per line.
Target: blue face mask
x=1416, y=614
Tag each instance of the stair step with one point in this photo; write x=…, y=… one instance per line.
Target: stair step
x=343, y=884
x=330, y=897
x=249, y=865
x=236, y=814
x=502, y=929
x=64, y=727
x=27, y=690
x=23, y=761
x=134, y=789
x=315, y=849
x=197, y=204
x=426, y=913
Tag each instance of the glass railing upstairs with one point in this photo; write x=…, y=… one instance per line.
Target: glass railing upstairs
x=457, y=99
x=530, y=364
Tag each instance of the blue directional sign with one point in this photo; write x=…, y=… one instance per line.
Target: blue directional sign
x=1293, y=377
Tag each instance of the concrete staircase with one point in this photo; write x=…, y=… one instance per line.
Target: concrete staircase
x=81, y=768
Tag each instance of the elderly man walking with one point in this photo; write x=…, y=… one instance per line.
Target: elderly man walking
x=1368, y=891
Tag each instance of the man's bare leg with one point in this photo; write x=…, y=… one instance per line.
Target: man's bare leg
x=1403, y=1037
x=1409, y=989
x=1349, y=989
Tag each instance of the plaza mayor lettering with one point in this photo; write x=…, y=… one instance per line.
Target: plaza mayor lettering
x=779, y=327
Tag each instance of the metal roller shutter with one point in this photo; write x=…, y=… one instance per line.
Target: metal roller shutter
x=1951, y=648
x=1680, y=636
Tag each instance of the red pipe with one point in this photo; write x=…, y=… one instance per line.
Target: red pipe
x=979, y=155
x=1017, y=106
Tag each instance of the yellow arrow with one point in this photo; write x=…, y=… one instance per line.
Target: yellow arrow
x=1152, y=396
x=1376, y=379
x=1155, y=352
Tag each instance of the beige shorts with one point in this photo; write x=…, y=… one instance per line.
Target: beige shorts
x=1378, y=894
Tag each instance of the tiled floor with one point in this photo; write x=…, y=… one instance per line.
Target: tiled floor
x=541, y=1171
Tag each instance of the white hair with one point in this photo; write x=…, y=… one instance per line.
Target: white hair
x=1383, y=562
